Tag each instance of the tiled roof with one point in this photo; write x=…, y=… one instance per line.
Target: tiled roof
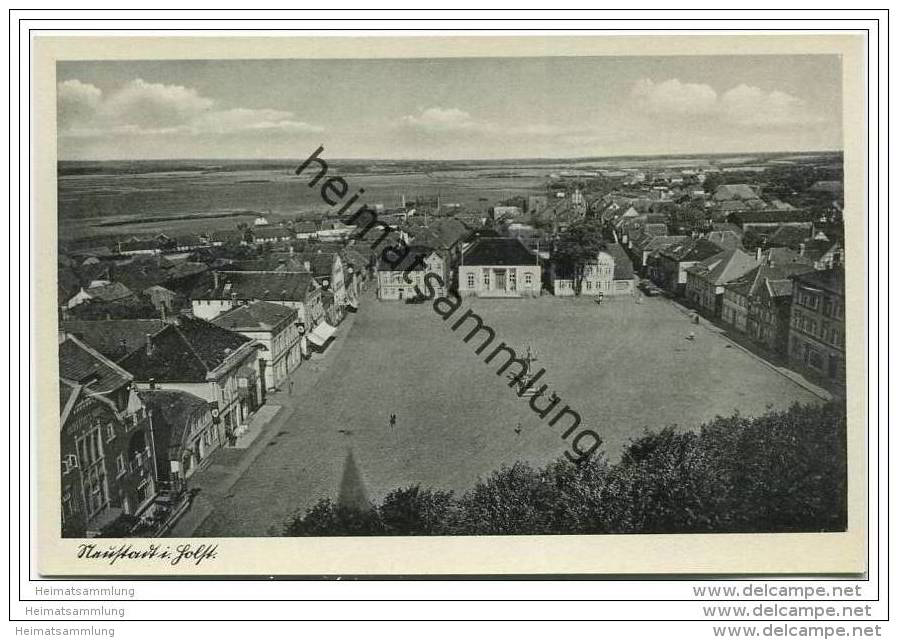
x=256, y=285
x=735, y=192
x=409, y=260
x=272, y=232
x=725, y=239
x=690, y=250
x=498, y=251
x=228, y=235
x=83, y=365
x=256, y=316
x=185, y=351
x=320, y=262
x=725, y=266
x=110, y=292
x=623, y=267
x=829, y=279
x=787, y=236
x=172, y=412
x=748, y=217
x=655, y=229
x=305, y=226
x=113, y=338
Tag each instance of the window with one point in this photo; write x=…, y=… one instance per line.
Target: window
x=110, y=432
x=588, y=285
x=95, y=489
x=470, y=281
x=143, y=492
x=120, y=465
x=528, y=279
x=513, y=280
x=486, y=278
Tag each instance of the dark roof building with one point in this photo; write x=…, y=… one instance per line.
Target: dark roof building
x=735, y=192
x=256, y=285
x=113, y=338
x=690, y=250
x=623, y=267
x=256, y=316
x=497, y=251
x=83, y=366
x=186, y=350
x=831, y=280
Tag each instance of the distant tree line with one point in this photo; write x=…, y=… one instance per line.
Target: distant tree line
x=784, y=471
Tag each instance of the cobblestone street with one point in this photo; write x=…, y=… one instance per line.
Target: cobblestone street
x=456, y=421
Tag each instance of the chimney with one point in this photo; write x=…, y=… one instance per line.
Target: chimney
x=801, y=249
x=149, y=344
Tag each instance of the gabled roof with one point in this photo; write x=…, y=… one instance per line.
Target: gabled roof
x=724, y=267
x=272, y=232
x=774, y=277
x=256, y=316
x=256, y=285
x=725, y=239
x=172, y=412
x=690, y=250
x=735, y=192
x=305, y=226
x=409, y=261
x=788, y=236
x=321, y=263
x=185, y=351
x=832, y=280
x=84, y=366
x=655, y=229
x=623, y=266
x=653, y=243
x=110, y=292
x=113, y=338
x=226, y=235
x=498, y=251
x=768, y=216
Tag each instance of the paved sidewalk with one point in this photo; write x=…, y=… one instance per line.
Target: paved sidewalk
x=215, y=482
x=786, y=372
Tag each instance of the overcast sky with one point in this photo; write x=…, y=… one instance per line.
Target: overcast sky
x=448, y=108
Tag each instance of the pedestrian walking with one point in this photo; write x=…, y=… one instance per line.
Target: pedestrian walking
x=392, y=420
x=290, y=387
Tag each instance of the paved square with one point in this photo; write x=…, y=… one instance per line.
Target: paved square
x=622, y=366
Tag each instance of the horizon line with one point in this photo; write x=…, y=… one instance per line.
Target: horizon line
x=504, y=159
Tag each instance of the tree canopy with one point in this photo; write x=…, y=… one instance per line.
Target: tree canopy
x=784, y=471
x=577, y=246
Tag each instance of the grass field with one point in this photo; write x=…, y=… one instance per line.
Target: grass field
x=622, y=366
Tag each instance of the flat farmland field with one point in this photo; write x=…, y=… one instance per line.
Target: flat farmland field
x=622, y=366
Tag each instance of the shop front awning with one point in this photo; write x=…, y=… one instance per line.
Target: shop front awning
x=321, y=334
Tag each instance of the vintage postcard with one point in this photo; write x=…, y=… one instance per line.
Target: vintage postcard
x=481, y=305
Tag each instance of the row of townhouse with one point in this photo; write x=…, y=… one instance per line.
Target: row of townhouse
x=489, y=265
x=134, y=430
x=145, y=403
